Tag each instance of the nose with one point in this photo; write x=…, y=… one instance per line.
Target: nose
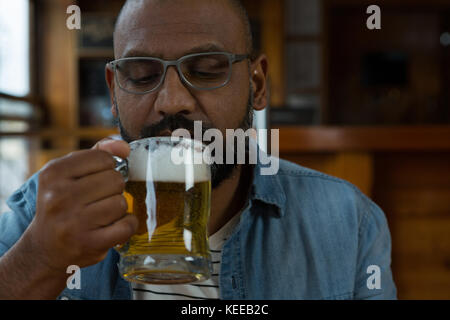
x=173, y=97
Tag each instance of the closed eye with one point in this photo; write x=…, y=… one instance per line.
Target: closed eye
x=145, y=80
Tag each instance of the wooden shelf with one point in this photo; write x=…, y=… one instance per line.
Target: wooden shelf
x=376, y=138
x=81, y=133
x=314, y=138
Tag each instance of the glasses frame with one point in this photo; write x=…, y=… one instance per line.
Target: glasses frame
x=232, y=59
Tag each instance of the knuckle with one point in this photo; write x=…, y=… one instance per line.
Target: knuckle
x=123, y=230
x=56, y=191
x=121, y=203
x=50, y=196
x=124, y=203
x=130, y=225
x=116, y=206
x=53, y=200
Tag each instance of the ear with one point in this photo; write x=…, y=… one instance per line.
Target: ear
x=109, y=75
x=258, y=78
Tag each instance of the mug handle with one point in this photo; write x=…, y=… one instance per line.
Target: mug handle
x=122, y=167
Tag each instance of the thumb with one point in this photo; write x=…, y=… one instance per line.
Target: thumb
x=117, y=148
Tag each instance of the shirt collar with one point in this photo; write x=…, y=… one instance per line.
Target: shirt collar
x=268, y=188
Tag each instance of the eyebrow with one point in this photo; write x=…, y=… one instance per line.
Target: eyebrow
x=209, y=47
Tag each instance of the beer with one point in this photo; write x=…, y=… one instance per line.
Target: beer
x=177, y=212
x=172, y=204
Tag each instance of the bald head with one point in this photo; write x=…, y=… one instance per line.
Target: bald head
x=131, y=7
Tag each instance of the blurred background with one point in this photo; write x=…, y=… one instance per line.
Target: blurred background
x=369, y=106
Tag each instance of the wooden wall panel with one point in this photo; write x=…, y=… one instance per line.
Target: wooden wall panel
x=421, y=257
x=416, y=202
x=59, y=69
x=414, y=191
x=272, y=34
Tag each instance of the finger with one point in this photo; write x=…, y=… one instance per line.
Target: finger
x=116, y=233
x=98, y=186
x=96, y=145
x=80, y=163
x=115, y=147
x=104, y=212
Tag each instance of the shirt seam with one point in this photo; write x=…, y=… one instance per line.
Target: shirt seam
x=317, y=175
x=363, y=223
x=326, y=177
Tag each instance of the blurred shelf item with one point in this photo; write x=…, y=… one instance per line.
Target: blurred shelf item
x=397, y=75
x=97, y=30
x=303, y=18
x=305, y=72
x=94, y=99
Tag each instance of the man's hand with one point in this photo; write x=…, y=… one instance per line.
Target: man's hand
x=80, y=209
x=80, y=215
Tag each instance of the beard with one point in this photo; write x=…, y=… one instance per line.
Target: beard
x=219, y=172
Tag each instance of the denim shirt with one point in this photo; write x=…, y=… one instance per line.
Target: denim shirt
x=303, y=235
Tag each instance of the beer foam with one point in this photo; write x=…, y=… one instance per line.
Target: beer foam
x=146, y=164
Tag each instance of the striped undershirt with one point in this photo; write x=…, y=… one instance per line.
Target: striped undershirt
x=208, y=289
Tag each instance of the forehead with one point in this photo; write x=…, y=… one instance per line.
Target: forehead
x=170, y=29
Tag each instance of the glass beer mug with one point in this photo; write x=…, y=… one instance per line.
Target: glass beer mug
x=168, y=188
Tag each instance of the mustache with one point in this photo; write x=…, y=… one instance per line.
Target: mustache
x=171, y=123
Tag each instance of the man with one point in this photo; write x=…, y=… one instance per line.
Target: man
x=298, y=234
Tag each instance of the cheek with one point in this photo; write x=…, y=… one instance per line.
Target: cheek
x=134, y=112
x=223, y=108
x=226, y=107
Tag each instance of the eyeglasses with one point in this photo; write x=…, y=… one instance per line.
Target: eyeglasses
x=201, y=71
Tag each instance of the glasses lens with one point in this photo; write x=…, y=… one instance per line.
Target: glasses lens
x=206, y=71
x=139, y=75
